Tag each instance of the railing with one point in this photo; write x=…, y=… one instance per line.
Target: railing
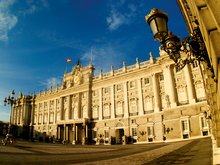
x=145, y=63
x=118, y=71
x=95, y=77
x=106, y=74
x=131, y=67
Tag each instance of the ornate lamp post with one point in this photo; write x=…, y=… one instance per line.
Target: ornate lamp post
x=191, y=49
x=10, y=100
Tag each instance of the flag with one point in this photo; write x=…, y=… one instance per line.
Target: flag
x=68, y=60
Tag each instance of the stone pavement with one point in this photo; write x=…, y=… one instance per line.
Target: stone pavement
x=187, y=153
x=198, y=152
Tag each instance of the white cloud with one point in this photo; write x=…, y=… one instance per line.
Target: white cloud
x=104, y=56
x=117, y=17
x=33, y=6
x=115, y=20
x=7, y=20
x=52, y=82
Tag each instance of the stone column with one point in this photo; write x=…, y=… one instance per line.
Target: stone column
x=67, y=133
x=64, y=132
x=140, y=96
x=55, y=111
x=189, y=83
x=48, y=113
x=126, y=113
x=100, y=104
x=156, y=92
x=38, y=109
x=112, y=102
x=74, y=134
x=61, y=108
x=169, y=85
x=58, y=132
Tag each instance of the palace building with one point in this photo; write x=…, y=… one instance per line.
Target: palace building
x=150, y=101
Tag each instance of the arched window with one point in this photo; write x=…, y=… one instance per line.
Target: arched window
x=182, y=94
x=149, y=103
x=106, y=111
x=133, y=107
x=95, y=110
x=120, y=108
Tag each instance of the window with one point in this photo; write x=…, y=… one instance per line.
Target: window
x=39, y=118
x=119, y=110
x=161, y=77
x=134, y=131
x=133, y=121
x=118, y=87
x=45, y=105
x=185, y=126
x=146, y=81
x=149, y=103
x=95, y=112
x=132, y=84
x=204, y=123
x=51, y=103
x=51, y=117
x=150, y=131
x=106, y=133
x=106, y=111
x=106, y=90
x=72, y=113
x=45, y=118
x=133, y=107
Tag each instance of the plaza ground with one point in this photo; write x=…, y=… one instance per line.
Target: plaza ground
x=198, y=151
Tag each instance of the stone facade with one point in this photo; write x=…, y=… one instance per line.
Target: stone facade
x=206, y=15
x=150, y=101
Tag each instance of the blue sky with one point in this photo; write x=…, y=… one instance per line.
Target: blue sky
x=37, y=36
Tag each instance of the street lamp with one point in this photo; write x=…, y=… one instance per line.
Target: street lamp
x=191, y=49
x=10, y=100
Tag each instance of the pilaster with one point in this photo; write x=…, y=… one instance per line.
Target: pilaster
x=189, y=83
x=74, y=134
x=55, y=111
x=48, y=112
x=112, y=102
x=140, y=96
x=61, y=109
x=156, y=92
x=169, y=85
x=126, y=113
x=68, y=107
x=100, y=104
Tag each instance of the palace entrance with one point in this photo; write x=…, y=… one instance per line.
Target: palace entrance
x=119, y=135
x=73, y=133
